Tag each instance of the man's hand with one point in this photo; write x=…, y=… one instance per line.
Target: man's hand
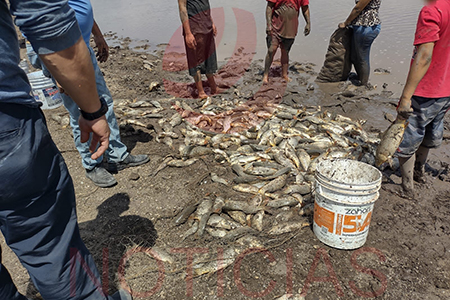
x=307, y=29
x=404, y=109
x=342, y=25
x=100, y=135
x=102, y=48
x=214, y=29
x=190, y=41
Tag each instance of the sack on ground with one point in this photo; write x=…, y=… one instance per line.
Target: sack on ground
x=337, y=65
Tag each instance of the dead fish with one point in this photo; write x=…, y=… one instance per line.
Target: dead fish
x=170, y=134
x=216, y=232
x=222, y=223
x=274, y=185
x=168, y=141
x=218, y=205
x=175, y=120
x=162, y=255
x=390, y=141
x=300, y=199
x=217, y=179
x=246, y=188
x=299, y=178
x=281, y=158
x=250, y=241
x=313, y=165
x=183, y=216
x=190, y=231
x=238, y=216
x=288, y=227
x=257, y=220
x=204, y=211
x=301, y=189
x=290, y=153
x=279, y=173
x=162, y=166
x=65, y=121
x=198, y=151
x=307, y=210
x=241, y=206
x=260, y=171
x=239, y=232
x=246, y=179
x=281, y=202
x=178, y=163
x=212, y=266
x=133, y=122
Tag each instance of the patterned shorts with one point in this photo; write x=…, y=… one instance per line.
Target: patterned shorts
x=426, y=125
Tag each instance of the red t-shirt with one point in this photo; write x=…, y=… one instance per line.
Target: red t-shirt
x=285, y=17
x=297, y=3
x=434, y=26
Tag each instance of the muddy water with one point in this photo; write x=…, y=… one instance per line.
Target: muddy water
x=157, y=21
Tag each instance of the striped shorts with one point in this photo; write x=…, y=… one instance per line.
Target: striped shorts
x=426, y=125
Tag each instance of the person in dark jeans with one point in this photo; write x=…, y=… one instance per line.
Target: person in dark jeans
x=37, y=200
x=366, y=24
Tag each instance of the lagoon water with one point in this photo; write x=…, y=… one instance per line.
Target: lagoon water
x=157, y=21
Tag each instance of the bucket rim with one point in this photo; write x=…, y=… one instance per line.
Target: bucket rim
x=319, y=175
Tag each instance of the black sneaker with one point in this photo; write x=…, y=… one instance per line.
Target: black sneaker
x=100, y=177
x=130, y=161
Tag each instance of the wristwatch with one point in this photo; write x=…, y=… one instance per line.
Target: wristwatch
x=95, y=115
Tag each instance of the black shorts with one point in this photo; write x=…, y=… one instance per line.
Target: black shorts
x=274, y=41
x=204, y=57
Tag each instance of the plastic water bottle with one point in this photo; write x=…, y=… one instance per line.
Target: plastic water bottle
x=24, y=66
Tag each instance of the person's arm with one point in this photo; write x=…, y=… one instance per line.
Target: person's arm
x=100, y=42
x=269, y=14
x=418, y=69
x=189, y=37
x=53, y=31
x=73, y=69
x=356, y=11
x=307, y=16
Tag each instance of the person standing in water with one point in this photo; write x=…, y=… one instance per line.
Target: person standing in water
x=365, y=21
x=426, y=97
x=199, y=36
x=282, y=27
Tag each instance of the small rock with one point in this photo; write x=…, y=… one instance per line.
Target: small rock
x=153, y=86
x=134, y=176
x=310, y=87
x=381, y=71
x=390, y=117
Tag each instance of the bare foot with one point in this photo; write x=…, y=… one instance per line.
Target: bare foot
x=202, y=95
x=214, y=90
x=266, y=79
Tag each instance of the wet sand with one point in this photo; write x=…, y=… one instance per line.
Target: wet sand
x=155, y=23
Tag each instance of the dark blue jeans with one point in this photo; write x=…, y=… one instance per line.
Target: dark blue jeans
x=37, y=211
x=363, y=38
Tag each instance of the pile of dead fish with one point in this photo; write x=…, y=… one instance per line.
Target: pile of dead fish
x=274, y=163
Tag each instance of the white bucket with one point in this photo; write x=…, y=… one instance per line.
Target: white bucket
x=44, y=90
x=346, y=191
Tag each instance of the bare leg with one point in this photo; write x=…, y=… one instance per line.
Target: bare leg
x=419, y=167
x=199, y=84
x=269, y=59
x=285, y=64
x=212, y=83
x=407, y=169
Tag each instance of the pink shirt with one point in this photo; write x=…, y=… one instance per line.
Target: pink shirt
x=434, y=26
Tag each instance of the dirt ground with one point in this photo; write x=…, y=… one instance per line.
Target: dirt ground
x=406, y=255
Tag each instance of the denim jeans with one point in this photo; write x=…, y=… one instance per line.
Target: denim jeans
x=38, y=212
x=363, y=38
x=116, y=151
